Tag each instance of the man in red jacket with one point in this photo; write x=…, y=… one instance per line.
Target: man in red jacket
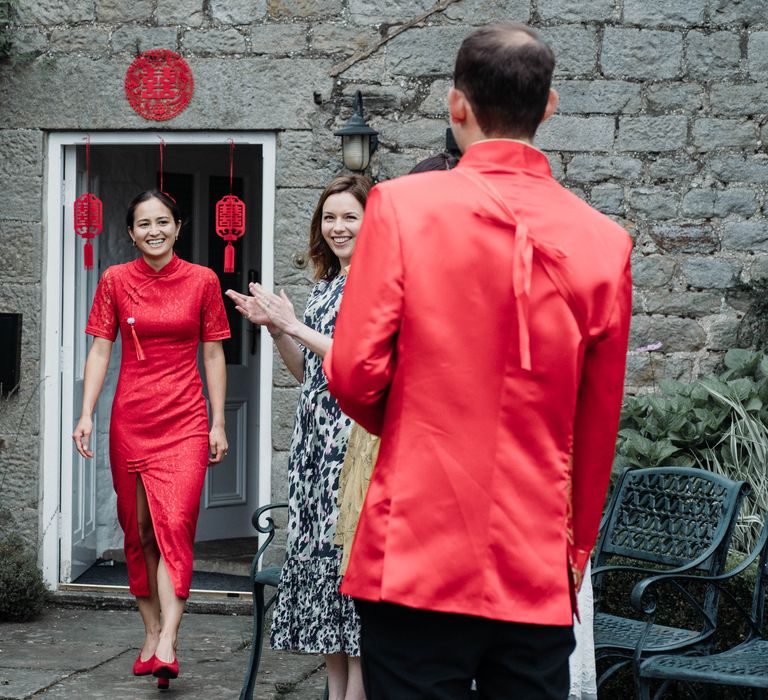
x=483, y=335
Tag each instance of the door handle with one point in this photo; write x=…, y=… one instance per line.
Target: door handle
x=253, y=276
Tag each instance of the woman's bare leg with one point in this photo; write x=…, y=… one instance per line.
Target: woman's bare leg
x=149, y=607
x=345, y=677
x=173, y=608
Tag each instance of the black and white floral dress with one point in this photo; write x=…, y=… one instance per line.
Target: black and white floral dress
x=311, y=615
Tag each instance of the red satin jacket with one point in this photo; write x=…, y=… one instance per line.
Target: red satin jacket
x=483, y=334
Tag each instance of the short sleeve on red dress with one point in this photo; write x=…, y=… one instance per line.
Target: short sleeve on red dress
x=214, y=324
x=103, y=320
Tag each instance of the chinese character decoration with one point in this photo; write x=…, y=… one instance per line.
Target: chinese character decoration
x=88, y=212
x=159, y=84
x=230, y=217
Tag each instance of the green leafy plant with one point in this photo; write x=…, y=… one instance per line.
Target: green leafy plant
x=719, y=423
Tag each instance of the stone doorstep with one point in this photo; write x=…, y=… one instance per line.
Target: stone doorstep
x=199, y=604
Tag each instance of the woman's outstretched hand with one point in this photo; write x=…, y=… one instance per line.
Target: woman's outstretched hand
x=82, y=436
x=265, y=308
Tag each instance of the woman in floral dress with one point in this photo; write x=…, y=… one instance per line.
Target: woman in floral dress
x=311, y=615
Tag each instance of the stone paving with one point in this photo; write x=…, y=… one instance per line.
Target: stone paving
x=77, y=654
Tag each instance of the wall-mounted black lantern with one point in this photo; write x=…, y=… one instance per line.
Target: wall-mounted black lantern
x=10, y=353
x=358, y=140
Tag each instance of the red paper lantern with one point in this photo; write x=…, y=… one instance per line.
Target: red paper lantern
x=230, y=225
x=159, y=84
x=88, y=223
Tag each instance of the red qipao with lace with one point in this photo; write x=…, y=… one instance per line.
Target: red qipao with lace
x=159, y=426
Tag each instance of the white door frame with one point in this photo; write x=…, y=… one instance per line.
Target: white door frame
x=58, y=360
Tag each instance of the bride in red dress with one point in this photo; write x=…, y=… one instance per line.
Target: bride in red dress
x=159, y=442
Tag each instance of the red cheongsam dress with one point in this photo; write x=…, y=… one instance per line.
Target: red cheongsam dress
x=159, y=426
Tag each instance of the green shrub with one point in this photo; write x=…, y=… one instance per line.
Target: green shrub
x=719, y=423
x=22, y=591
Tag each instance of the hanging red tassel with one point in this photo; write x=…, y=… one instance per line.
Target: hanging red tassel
x=88, y=255
x=229, y=258
x=139, y=352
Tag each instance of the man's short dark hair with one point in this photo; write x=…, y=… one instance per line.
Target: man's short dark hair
x=505, y=71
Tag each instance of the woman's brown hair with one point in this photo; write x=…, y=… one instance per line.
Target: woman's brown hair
x=325, y=262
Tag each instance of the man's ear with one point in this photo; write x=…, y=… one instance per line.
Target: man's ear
x=552, y=102
x=457, y=106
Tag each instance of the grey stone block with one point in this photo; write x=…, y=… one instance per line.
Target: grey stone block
x=711, y=272
x=683, y=304
x=710, y=134
x=85, y=40
x=747, y=99
x=589, y=168
x=21, y=197
x=565, y=133
x=641, y=53
x=21, y=151
x=722, y=332
x=713, y=55
x=575, y=49
x=29, y=42
x=21, y=263
x=676, y=96
x=420, y=133
x=607, y=198
x=485, y=11
x=118, y=11
x=598, y=97
x=575, y=11
x=130, y=39
x=660, y=134
x=684, y=238
x=738, y=168
x=757, y=55
x=49, y=12
x=24, y=298
x=300, y=9
x=424, y=52
x=293, y=211
x=653, y=13
x=652, y=270
x=699, y=203
x=676, y=334
x=758, y=270
x=372, y=12
x=436, y=100
x=277, y=94
x=738, y=12
x=674, y=168
x=281, y=39
x=746, y=236
x=283, y=413
x=238, y=11
x=655, y=203
x=307, y=159
x=187, y=13
x=341, y=38
x=556, y=166
x=736, y=200
x=397, y=164
x=213, y=42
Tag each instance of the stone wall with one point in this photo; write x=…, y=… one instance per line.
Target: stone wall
x=661, y=125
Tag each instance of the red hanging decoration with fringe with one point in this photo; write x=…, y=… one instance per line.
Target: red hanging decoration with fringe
x=230, y=217
x=88, y=212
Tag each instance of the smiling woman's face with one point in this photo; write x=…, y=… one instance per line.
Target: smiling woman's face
x=154, y=231
x=341, y=220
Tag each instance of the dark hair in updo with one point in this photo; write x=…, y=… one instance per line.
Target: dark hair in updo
x=167, y=200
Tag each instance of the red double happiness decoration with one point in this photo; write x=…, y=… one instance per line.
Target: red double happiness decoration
x=159, y=84
x=230, y=217
x=88, y=212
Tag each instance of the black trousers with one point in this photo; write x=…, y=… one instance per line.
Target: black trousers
x=410, y=654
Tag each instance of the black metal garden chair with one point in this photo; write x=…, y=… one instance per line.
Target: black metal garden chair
x=269, y=576
x=742, y=666
x=659, y=520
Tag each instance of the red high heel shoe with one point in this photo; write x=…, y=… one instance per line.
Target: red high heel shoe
x=163, y=684
x=143, y=668
x=165, y=669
